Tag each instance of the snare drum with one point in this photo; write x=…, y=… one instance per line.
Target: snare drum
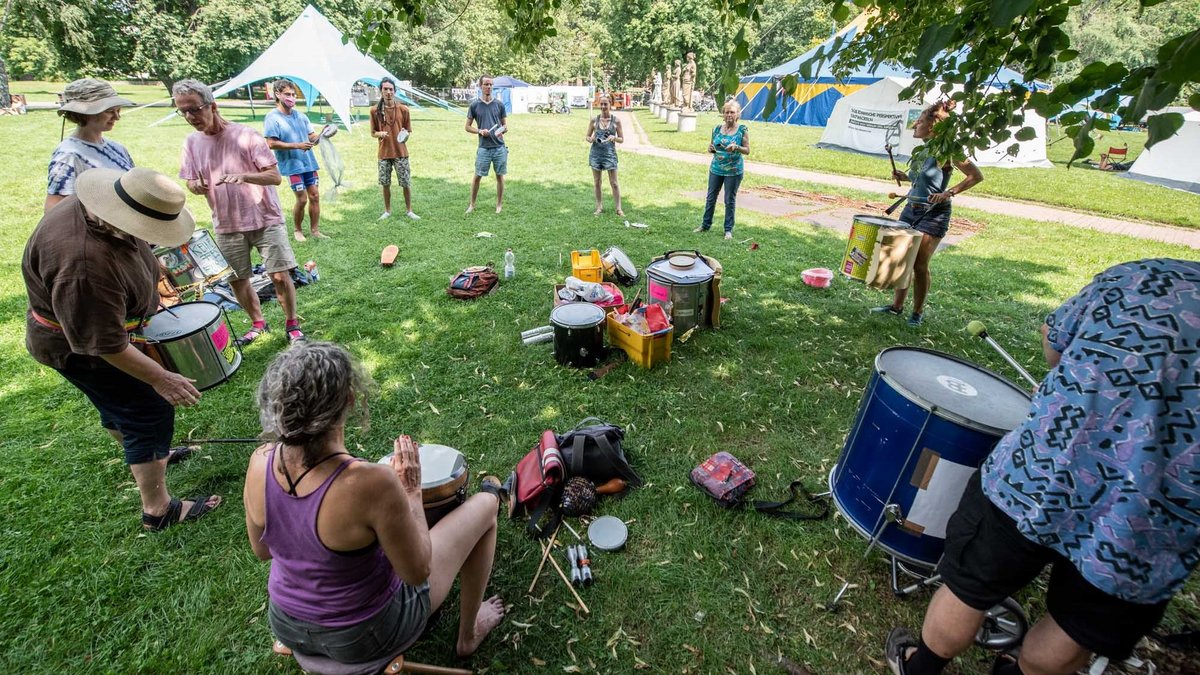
x=198, y=260
x=578, y=334
x=443, y=479
x=618, y=266
x=926, y=422
x=193, y=339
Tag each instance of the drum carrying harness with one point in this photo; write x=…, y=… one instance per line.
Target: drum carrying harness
x=132, y=326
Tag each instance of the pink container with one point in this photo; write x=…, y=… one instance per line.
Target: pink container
x=817, y=277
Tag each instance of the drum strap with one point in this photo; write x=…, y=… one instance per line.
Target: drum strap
x=131, y=326
x=796, y=488
x=293, y=484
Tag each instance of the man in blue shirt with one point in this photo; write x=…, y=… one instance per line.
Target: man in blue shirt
x=291, y=136
x=490, y=125
x=1101, y=482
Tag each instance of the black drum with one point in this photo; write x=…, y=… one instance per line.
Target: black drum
x=578, y=334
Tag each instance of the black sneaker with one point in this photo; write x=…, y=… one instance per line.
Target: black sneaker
x=915, y=320
x=899, y=641
x=886, y=309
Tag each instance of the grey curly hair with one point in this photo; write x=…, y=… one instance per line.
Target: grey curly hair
x=307, y=392
x=189, y=86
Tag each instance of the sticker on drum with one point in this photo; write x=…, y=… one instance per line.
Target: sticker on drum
x=659, y=292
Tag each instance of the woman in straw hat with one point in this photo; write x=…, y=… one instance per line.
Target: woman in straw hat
x=94, y=107
x=90, y=276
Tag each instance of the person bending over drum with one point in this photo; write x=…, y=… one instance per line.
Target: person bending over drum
x=1099, y=483
x=90, y=276
x=928, y=208
x=355, y=571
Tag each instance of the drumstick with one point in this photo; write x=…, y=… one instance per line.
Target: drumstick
x=888, y=147
x=895, y=204
x=563, y=576
x=168, y=310
x=545, y=554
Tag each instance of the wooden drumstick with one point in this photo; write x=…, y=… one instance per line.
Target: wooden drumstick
x=571, y=588
x=888, y=147
x=545, y=554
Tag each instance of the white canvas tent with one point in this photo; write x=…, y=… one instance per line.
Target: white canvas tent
x=870, y=118
x=311, y=54
x=1173, y=162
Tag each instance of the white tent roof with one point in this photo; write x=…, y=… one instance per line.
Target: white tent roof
x=874, y=116
x=311, y=54
x=1173, y=162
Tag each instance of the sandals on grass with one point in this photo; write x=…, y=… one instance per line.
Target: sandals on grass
x=171, y=517
x=253, y=334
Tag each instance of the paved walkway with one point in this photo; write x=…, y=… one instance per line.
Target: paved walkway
x=638, y=142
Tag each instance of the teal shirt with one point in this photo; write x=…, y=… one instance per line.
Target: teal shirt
x=724, y=162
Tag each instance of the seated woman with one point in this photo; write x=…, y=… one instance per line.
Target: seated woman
x=355, y=571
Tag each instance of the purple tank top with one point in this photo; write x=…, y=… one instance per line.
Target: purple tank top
x=309, y=581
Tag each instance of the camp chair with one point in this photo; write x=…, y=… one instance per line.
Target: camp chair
x=1108, y=160
x=323, y=665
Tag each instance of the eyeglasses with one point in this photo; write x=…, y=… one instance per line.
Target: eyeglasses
x=188, y=112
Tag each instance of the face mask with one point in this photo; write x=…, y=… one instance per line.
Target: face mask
x=288, y=100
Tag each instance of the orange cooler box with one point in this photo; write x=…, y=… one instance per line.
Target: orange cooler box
x=644, y=350
x=586, y=266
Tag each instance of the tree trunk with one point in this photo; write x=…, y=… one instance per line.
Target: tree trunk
x=5, y=96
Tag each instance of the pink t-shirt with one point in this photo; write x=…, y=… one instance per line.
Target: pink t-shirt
x=236, y=207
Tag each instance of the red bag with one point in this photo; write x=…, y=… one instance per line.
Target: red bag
x=536, y=487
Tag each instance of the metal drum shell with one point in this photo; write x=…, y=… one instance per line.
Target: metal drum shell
x=200, y=347
x=619, y=266
x=578, y=343
x=887, y=457
x=687, y=293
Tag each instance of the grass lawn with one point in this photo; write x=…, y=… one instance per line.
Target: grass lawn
x=697, y=589
x=1080, y=188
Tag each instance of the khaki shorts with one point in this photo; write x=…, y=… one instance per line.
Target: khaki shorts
x=271, y=242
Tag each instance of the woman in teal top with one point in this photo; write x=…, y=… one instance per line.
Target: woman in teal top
x=730, y=141
x=604, y=132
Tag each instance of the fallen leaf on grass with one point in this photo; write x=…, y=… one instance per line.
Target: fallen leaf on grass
x=572, y=669
x=537, y=662
x=808, y=638
x=697, y=554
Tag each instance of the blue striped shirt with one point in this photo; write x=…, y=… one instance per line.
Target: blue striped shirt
x=74, y=156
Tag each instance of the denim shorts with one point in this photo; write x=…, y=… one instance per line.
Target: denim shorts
x=302, y=181
x=933, y=221
x=489, y=157
x=271, y=242
x=128, y=405
x=391, y=631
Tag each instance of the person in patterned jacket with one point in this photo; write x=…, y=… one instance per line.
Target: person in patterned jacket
x=1101, y=482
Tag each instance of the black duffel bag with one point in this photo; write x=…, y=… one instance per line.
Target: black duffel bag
x=593, y=450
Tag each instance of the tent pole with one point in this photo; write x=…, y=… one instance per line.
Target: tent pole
x=250, y=93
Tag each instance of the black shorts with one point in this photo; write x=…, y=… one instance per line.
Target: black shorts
x=988, y=559
x=128, y=405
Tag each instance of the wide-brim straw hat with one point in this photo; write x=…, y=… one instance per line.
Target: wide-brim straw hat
x=140, y=202
x=91, y=97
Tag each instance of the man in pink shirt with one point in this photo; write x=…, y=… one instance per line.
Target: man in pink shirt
x=232, y=166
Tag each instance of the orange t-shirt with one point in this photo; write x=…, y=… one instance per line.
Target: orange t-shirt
x=391, y=120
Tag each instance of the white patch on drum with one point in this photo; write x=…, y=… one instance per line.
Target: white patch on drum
x=932, y=507
x=957, y=386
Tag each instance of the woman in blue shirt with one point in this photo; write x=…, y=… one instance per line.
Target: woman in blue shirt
x=928, y=209
x=730, y=141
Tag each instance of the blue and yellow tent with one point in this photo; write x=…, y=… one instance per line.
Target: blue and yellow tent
x=811, y=102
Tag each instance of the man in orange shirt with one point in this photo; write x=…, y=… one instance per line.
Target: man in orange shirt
x=391, y=125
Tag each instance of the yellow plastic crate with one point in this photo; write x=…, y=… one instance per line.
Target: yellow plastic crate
x=644, y=350
x=585, y=266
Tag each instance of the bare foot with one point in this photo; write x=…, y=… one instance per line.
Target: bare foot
x=498, y=207
x=299, y=235
x=470, y=208
x=491, y=613
x=598, y=211
x=320, y=235
x=620, y=213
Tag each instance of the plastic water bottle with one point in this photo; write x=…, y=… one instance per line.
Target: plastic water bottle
x=510, y=267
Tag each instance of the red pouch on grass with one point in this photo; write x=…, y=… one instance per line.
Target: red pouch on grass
x=537, y=485
x=656, y=318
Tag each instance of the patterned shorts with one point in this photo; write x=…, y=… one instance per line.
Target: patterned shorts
x=403, y=172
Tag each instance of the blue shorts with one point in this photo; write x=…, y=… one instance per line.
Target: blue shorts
x=933, y=221
x=127, y=405
x=301, y=181
x=491, y=157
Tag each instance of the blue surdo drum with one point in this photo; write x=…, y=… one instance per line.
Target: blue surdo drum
x=926, y=422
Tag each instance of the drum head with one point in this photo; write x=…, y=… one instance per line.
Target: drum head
x=981, y=398
x=880, y=221
x=624, y=262
x=440, y=464
x=682, y=262
x=608, y=533
x=577, y=315
x=181, y=320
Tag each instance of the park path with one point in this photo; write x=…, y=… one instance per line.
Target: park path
x=639, y=142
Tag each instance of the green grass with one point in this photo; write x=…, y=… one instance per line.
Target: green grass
x=1080, y=188
x=697, y=589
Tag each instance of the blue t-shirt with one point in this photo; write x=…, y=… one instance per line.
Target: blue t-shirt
x=928, y=178
x=724, y=162
x=1106, y=469
x=293, y=128
x=487, y=116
